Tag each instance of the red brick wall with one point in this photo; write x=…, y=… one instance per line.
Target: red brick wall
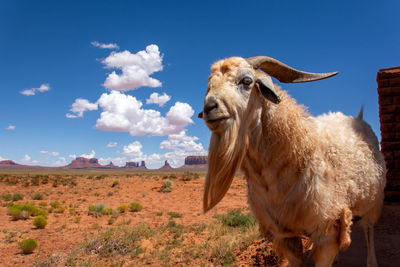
x=389, y=114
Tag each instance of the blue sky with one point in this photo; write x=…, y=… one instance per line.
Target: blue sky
x=76, y=76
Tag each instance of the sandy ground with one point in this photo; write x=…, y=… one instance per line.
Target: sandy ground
x=64, y=234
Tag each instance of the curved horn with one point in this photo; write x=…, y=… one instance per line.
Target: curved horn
x=283, y=72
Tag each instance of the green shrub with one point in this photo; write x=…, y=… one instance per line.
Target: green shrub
x=17, y=196
x=174, y=214
x=37, y=196
x=6, y=196
x=28, y=245
x=235, y=218
x=167, y=186
x=122, y=208
x=96, y=209
x=135, y=207
x=22, y=212
x=42, y=204
x=56, y=207
x=115, y=183
x=40, y=222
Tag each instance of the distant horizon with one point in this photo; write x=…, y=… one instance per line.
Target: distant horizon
x=124, y=81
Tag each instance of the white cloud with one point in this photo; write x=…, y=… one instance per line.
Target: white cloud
x=133, y=150
x=180, y=114
x=112, y=144
x=104, y=46
x=181, y=146
x=118, y=161
x=10, y=127
x=72, y=156
x=124, y=113
x=60, y=162
x=135, y=69
x=79, y=106
x=2, y=158
x=43, y=88
x=53, y=154
x=26, y=158
x=160, y=100
x=89, y=155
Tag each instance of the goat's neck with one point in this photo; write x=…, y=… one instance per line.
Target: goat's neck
x=280, y=140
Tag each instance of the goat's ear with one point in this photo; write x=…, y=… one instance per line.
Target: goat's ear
x=266, y=87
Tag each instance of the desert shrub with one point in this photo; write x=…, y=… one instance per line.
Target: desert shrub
x=17, y=196
x=167, y=186
x=37, y=196
x=55, y=204
x=122, y=208
x=42, y=212
x=135, y=207
x=56, y=207
x=174, y=214
x=22, y=212
x=110, y=220
x=108, y=211
x=40, y=222
x=6, y=196
x=96, y=209
x=42, y=204
x=115, y=183
x=159, y=213
x=28, y=245
x=235, y=218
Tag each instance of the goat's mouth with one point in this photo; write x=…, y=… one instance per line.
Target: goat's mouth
x=217, y=124
x=215, y=120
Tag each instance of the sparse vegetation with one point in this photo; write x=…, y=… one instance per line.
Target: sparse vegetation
x=37, y=196
x=135, y=207
x=40, y=222
x=115, y=183
x=97, y=210
x=28, y=245
x=122, y=208
x=167, y=186
x=235, y=218
x=174, y=214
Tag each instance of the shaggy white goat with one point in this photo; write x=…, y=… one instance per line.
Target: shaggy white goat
x=305, y=175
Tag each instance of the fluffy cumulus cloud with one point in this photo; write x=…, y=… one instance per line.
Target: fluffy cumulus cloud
x=105, y=46
x=135, y=69
x=88, y=155
x=112, y=144
x=53, y=154
x=26, y=158
x=133, y=150
x=61, y=161
x=178, y=147
x=79, y=107
x=181, y=146
x=180, y=114
x=43, y=88
x=118, y=161
x=157, y=99
x=10, y=127
x=2, y=158
x=124, y=113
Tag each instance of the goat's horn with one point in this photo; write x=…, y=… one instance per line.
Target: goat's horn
x=283, y=72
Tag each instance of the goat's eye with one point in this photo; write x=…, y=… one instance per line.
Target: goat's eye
x=246, y=81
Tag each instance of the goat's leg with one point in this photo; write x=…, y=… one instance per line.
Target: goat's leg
x=291, y=249
x=369, y=237
x=326, y=250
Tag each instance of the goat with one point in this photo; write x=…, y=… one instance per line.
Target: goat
x=305, y=175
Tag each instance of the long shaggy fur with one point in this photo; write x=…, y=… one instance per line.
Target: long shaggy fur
x=306, y=175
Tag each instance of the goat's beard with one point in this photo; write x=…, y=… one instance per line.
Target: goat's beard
x=226, y=151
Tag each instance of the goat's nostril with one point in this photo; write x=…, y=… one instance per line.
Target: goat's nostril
x=210, y=106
